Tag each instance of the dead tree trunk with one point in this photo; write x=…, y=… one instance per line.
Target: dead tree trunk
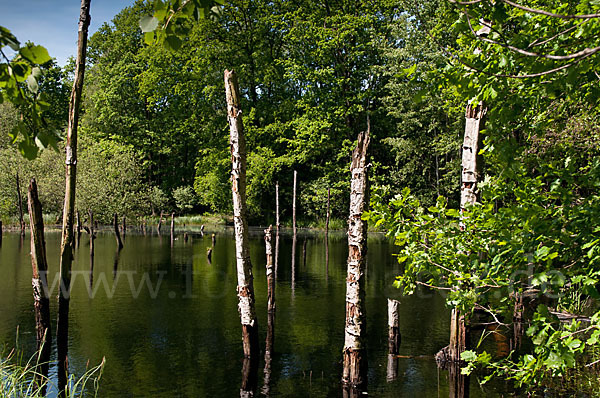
x=159, y=223
x=393, y=340
x=294, y=204
x=270, y=273
x=66, y=256
x=172, y=229
x=39, y=281
x=277, y=206
x=458, y=324
x=92, y=233
x=117, y=234
x=327, y=233
x=20, y=204
x=124, y=223
x=245, y=287
x=355, y=355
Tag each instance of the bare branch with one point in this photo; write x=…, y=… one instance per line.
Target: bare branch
x=550, y=14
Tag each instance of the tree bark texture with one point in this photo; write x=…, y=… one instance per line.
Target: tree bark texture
x=270, y=270
x=39, y=265
x=117, y=234
x=66, y=256
x=245, y=288
x=20, y=204
x=469, y=175
x=355, y=356
x=294, y=203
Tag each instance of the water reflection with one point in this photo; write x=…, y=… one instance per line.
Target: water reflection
x=181, y=336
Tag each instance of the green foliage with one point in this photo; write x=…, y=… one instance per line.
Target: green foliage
x=20, y=85
x=19, y=378
x=185, y=198
x=158, y=200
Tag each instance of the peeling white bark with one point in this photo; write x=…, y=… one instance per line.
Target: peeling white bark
x=245, y=288
x=355, y=328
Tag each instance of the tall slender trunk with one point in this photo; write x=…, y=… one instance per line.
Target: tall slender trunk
x=39, y=266
x=277, y=206
x=117, y=234
x=355, y=355
x=459, y=330
x=245, y=288
x=172, y=229
x=328, y=213
x=393, y=340
x=66, y=254
x=270, y=273
x=294, y=203
x=20, y=204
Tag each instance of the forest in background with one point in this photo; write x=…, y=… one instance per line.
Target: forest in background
x=154, y=133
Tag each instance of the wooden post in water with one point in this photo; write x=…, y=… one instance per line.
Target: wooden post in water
x=159, y=223
x=245, y=286
x=66, y=254
x=355, y=355
x=172, y=228
x=270, y=271
x=294, y=204
x=468, y=196
x=20, y=204
x=327, y=233
x=277, y=206
x=39, y=265
x=117, y=234
x=393, y=340
x=92, y=234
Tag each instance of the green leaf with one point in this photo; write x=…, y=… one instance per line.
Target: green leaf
x=172, y=43
x=148, y=23
x=149, y=38
x=32, y=84
x=35, y=54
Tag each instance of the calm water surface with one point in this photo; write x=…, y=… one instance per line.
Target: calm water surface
x=166, y=318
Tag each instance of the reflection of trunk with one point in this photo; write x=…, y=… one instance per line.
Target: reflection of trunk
x=327, y=235
x=41, y=300
x=0, y=233
x=249, y=377
x=124, y=225
x=92, y=233
x=20, y=204
x=245, y=287
x=355, y=356
x=66, y=254
x=458, y=384
x=304, y=253
x=270, y=311
x=270, y=273
x=276, y=253
x=117, y=234
x=293, y=266
x=266, y=389
x=116, y=264
x=294, y=205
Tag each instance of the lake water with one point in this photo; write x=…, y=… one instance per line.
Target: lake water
x=166, y=320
